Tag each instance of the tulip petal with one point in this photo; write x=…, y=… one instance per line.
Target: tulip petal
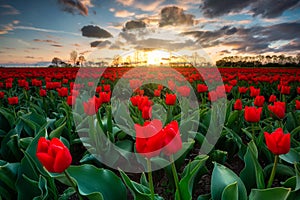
x=46, y=160
x=62, y=161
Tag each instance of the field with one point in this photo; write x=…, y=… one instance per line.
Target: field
x=150, y=133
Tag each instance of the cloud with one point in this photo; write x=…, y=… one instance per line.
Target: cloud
x=30, y=57
x=147, y=5
x=45, y=30
x=95, y=32
x=56, y=45
x=46, y=41
x=257, y=39
x=124, y=14
x=265, y=8
x=134, y=24
x=76, y=6
x=8, y=10
x=175, y=16
x=100, y=44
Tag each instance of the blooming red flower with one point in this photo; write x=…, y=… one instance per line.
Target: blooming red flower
x=13, y=100
x=43, y=93
x=149, y=138
x=91, y=107
x=71, y=100
x=228, y=88
x=259, y=101
x=135, y=100
x=212, y=96
x=298, y=90
x=62, y=92
x=147, y=112
x=278, y=109
x=202, y=88
x=170, y=99
x=105, y=97
x=142, y=102
x=297, y=103
x=252, y=114
x=172, y=142
x=278, y=142
x=171, y=85
x=184, y=90
x=2, y=95
x=272, y=98
x=106, y=88
x=285, y=89
x=8, y=85
x=238, y=105
x=53, y=155
x=254, y=91
x=157, y=93
x=160, y=87
x=243, y=90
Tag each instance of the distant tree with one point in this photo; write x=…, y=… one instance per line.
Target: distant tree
x=81, y=60
x=73, y=57
x=56, y=61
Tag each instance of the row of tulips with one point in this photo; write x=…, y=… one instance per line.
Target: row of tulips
x=43, y=113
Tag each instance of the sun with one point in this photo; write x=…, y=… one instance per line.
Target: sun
x=157, y=57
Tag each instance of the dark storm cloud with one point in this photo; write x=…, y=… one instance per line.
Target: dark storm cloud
x=211, y=38
x=100, y=44
x=265, y=8
x=56, y=45
x=95, y=32
x=74, y=6
x=175, y=16
x=256, y=39
x=134, y=24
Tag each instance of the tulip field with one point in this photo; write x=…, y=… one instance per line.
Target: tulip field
x=153, y=133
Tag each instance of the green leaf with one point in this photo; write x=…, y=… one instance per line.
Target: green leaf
x=221, y=178
x=95, y=183
x=139, y=191
x=278, y=193
x=43, y=187
x=232, y=118
x=204, y=197
x=57, y=132
x=252, y=174
x=187, y=181
x=291, y=157
x=297, y=170
x=230, y=192
x=8, y=174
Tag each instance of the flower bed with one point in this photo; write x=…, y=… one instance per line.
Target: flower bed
x=156, y=133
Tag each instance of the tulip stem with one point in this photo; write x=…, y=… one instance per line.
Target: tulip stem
x=73, y=184
x=273, y=171
x=150, y=178
x=253, y=132
x=175, y=176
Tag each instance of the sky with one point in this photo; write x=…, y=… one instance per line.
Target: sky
x=35, y=31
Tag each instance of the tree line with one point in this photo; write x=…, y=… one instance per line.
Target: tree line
x=260, y=61
x=73, y=61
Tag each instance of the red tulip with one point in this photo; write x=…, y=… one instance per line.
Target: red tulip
x=170, y=99
x=254, y=91
x=157, y=93
x=43, y=93
x=2, y=95
x=278, y=109
x=278, y=142
x=105, y=97
x=252, y=114
x=285, y=89
x=228, y=88
x=184, y=91
x=238, y=105
x=91, y=107
x=171, y=139
x=147, y=112
x=272, y=98
x=297, y=102
x=71, y=100
x=13, y=100
x=298, y=90
x=259, y=101
x=149, y=138
x=62, y=92
x=106, y=88
x=202, y=88
x=53, y=155
x=243, y=90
